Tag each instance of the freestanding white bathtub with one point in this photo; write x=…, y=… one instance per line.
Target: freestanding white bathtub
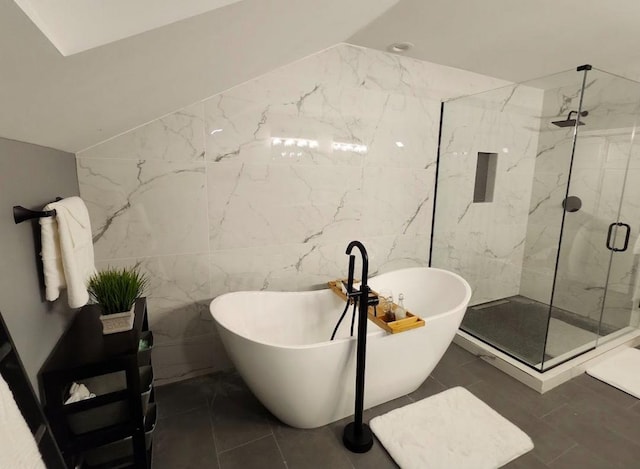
x=280, y=344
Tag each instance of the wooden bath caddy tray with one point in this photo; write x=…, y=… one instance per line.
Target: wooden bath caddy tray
x=410, y=322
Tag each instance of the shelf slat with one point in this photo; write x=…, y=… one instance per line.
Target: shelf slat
x=42, y=429
x=5, y=349
x=101, y=437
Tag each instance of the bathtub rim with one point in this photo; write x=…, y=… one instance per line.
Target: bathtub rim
x=468, y=291
x=328, y=343
x=381, y=333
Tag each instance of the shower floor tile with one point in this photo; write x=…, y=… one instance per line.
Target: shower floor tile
x=518, y=325
x=580, y=424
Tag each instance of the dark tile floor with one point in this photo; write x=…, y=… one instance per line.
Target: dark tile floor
x=215, y=422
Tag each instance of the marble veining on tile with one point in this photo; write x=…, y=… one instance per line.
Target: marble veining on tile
x=178, y=294
x=484, y=241
x=176, y=137
x=262, y=186
x=262, y=205
x=144, y=208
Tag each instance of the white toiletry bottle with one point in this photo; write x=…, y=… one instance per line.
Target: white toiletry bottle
x=401, y=313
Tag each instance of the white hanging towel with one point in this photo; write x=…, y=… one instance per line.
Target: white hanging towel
x=18, y=448
x=67, y=251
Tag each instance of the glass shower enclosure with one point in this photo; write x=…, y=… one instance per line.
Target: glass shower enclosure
x=538, y=207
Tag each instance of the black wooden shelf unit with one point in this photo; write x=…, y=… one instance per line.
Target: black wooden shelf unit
x=14, y=375
x=114, y=428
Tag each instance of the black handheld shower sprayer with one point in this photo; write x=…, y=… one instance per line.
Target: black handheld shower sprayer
x=352, y=263
x=352, y=298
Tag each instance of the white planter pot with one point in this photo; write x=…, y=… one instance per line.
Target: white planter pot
x=119, y=322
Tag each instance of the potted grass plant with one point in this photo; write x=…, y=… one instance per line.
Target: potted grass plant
x=115, y=291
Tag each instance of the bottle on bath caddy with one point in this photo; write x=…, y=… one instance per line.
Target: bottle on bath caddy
x=387, y=307
x=400, y=311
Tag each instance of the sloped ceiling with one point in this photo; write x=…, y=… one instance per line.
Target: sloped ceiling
x=516, y=40
x=73, y=102
x=77, y=25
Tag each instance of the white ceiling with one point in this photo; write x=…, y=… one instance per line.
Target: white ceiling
x=76, y=101
x=77, y=25
x=515, y=40
x=73, y=102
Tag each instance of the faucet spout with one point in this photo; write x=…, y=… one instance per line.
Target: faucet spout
x=365, y=263
x=363, y=253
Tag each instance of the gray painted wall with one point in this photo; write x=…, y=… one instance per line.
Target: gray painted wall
x=31, y=176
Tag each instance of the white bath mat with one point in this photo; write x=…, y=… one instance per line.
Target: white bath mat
x=621, y=371
x=453, y=429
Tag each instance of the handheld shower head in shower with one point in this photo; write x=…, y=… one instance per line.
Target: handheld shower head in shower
x=569, y=122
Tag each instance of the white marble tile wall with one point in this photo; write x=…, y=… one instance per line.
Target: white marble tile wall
x=552, y=164
x=484, y=241
x=262, y=187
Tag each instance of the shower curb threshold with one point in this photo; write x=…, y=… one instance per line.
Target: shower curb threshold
x=543, y=382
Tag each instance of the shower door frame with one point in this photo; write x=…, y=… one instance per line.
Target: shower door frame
x=585, y=69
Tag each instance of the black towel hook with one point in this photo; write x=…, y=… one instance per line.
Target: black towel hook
x=21, y=214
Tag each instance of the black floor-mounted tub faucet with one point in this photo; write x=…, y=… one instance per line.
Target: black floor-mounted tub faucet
x=357, y=436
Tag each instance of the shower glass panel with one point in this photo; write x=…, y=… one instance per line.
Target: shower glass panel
x=530, y=177
x=593, y=275
x=616, y=103
x=583, y=260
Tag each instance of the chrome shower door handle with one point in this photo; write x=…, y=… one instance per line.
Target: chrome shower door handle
x=610, y=246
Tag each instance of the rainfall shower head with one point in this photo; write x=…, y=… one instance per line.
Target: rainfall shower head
x=569, y=122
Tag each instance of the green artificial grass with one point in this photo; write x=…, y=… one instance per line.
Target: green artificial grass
x=115, y=290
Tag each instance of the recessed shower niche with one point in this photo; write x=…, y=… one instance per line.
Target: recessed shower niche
x=551, y=279
x=485, y=181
